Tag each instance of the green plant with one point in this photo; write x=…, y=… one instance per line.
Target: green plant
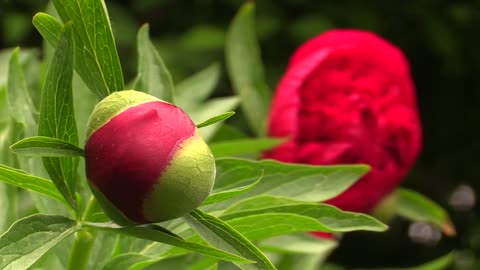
x=256, y=206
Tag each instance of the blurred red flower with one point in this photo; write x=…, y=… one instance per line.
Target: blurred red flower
x=347, y=97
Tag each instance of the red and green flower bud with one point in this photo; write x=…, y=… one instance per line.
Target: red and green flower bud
x=146, y=158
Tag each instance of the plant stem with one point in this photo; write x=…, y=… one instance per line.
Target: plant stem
x=83, y=243
x=82, y=246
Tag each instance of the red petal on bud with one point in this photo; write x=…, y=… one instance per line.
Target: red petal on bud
x=324, y=235
x=126, y=157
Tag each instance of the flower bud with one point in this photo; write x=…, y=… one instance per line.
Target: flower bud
x=146, y=158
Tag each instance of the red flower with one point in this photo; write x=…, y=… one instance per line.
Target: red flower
x=347, y=97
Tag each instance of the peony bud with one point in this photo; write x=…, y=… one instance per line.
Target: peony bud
x=146, y=158
x=348, y=97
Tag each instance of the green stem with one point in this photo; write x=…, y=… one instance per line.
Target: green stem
x=82, y=246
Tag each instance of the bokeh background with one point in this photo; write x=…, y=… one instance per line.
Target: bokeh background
x=441, y=39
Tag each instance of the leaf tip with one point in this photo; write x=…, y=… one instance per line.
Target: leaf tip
x=448, y=228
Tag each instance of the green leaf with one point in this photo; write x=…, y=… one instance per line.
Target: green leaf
x=31, y=237
x=26, y=181
x=96, y=58
x=223, y=236
x=8, y=193
x=240, y=147
x=216, y=119
x=301, y=182
x=214, y=106
x=8, y=202
x=20, y=104
x=304, y=262
x=299, y=251
x=298, y=243
x=230, y=193
x=440, y=263
x=99, y=255
x=190, y=95
x=153, y=76
x=262, y=226
x=50, y=29
x=159, y=234
x=267, y=220
x=137, y=261
x=41, y=146
x=246, y=70
x=5, y=55
x=414, y=206
x=130, y=261
x=57, y=118
x=192, y=91
x=206, y=263
x=82, y=109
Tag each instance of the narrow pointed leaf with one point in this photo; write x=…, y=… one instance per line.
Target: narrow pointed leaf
x=57, y=118
x=96, y=57
x=221, y=235
x=159, y=234
x=41, y=146
x=31, y=237
x=216, y=119
x=415, y=206
x=26, y=181
x=153, y=76
x=246, y=70
x=213, y=106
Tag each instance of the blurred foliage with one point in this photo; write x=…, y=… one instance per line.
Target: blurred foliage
x=439, y=37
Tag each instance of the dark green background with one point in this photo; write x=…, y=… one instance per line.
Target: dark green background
x=441, y=39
